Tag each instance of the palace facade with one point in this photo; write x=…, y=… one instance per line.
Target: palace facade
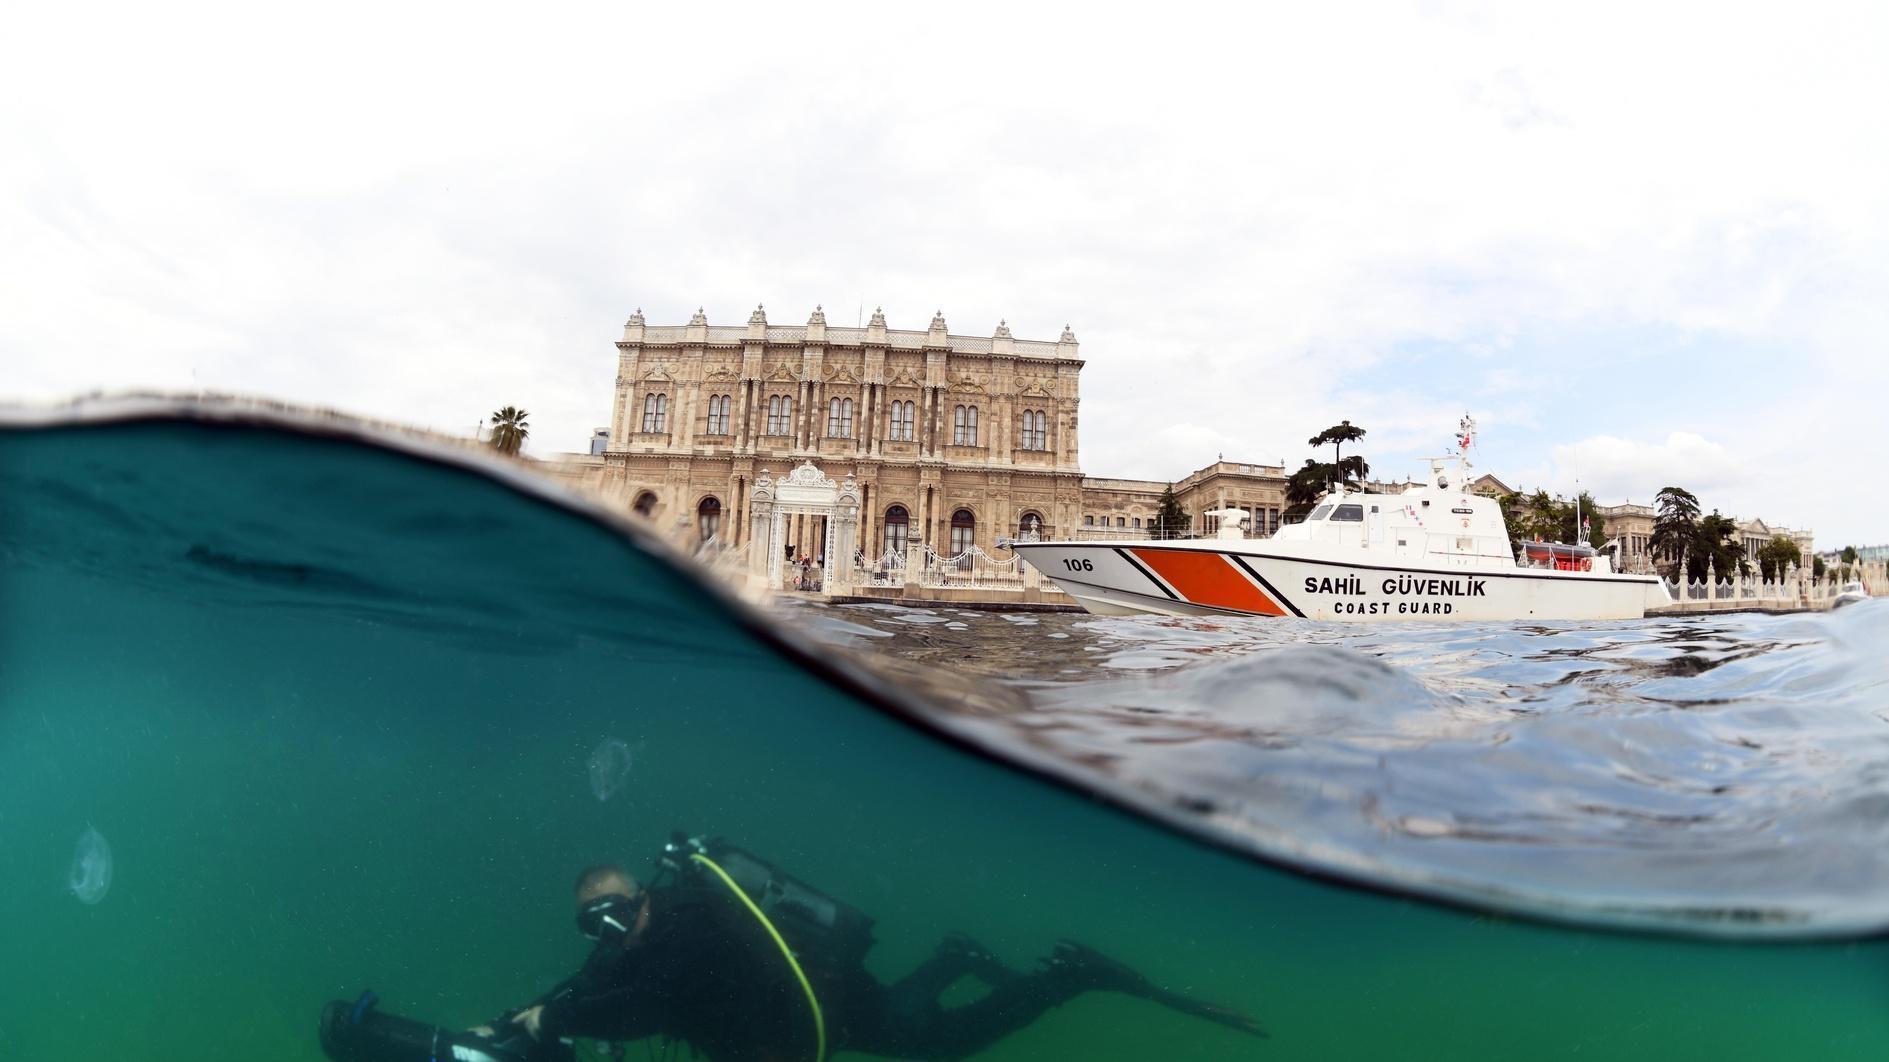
x=952, y=441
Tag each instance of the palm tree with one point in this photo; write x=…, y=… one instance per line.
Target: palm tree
x=1338, y=435
x=1677, y=525
x=509, y=430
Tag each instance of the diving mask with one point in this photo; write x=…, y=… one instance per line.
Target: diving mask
x=611, y=916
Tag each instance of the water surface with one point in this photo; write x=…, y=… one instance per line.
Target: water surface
x=336, y=709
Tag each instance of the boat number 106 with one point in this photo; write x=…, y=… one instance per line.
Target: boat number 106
x=1078, y=565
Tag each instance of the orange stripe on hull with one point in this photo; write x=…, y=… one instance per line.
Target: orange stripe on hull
x=1208, y=579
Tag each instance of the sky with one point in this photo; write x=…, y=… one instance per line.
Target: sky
x=1645, y=245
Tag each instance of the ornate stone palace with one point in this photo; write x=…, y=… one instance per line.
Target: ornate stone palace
x=951, y=441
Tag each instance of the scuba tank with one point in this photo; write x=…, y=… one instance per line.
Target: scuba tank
x=819, y=927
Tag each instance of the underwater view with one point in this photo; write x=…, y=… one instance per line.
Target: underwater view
x=286, y=715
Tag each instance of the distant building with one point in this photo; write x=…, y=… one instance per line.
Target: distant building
x=599, y=441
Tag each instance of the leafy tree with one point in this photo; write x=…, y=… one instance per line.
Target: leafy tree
x=1540, y=518
x=509, y=430
x=1777, y=556
x=1514, y=510
x=1353, y=470
x=1569, y=518
x=1676, y=526
x=1715, y=546
x=1849, y=555
x=1817, y=567
x=1337, y=436
x=1170, y=520
x=1305, y=487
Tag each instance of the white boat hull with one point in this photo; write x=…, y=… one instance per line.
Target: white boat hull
x=1192, y=578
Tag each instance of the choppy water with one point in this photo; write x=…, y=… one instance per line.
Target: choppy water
x=346, y=717
x=1709, y=774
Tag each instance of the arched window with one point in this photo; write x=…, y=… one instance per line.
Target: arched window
x=655, y=412
x=1035, y=430
x=963, y=535
x=645, y=504
x=898, y=528
x=1121, y=521
x=708, y=517
x=780, y=415
x=839, y=418
x=1088, y=521
x=901, y=426
x=1030, y=527
x=1137, y=521
x=964, y=426
x=718, y=414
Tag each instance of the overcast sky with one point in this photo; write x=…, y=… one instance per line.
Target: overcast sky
x=1644, y=244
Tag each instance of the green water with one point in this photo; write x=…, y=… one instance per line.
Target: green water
x=369, y=770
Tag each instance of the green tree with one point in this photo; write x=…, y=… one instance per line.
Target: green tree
x=1337, y=436
x=509, y=430
x=1540, y=518
x=1170, y=520
x=1817, y=567
x=1305, y=487
x=1676, y=526
x=1777, y=556
x=1514, y=507
x=1849, y=555
x=1714, y=546
x=1568, y=517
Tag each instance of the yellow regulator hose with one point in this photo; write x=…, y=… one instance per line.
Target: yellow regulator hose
x=819, y=1020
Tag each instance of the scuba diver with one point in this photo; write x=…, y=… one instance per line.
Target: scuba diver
x=726, y=953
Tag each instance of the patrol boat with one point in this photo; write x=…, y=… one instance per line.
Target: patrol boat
x=1435, y=551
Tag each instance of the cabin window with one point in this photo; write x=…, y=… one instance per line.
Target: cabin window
x=1349, y=513
x=1319, y=513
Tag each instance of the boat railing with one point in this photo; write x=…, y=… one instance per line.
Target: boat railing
x=1144, y=534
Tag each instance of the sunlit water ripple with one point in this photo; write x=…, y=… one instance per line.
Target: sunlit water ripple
x=1720, y=773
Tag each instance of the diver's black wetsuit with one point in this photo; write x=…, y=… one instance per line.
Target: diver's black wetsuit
x=705, y=972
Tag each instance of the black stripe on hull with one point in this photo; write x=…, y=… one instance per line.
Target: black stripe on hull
x=1159, y=585
x=1267, y=584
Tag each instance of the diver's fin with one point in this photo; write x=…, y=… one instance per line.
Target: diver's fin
x=1097, y=970
x=1200, y=1008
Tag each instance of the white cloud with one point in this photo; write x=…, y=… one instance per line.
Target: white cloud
x=1250, y=219
x=1614, y=469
